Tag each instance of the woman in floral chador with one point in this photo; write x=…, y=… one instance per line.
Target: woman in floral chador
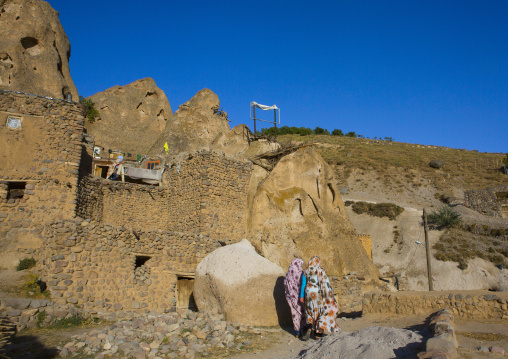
x=321, y=307
x=294, y=284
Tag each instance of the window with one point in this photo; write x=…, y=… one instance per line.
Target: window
x=150, y=165
x=142, y=270
x=15, y=190
x=14, y=122
x=141, y=260
x=502, y=195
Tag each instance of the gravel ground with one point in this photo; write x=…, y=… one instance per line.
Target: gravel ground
x=368, y=343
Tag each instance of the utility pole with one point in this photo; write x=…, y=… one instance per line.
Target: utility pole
x=427, y=247
x=275, y=121
x=254, y=111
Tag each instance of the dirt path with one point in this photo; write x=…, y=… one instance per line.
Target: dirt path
x=289, y=347
x=470, y=334
x=42, y=343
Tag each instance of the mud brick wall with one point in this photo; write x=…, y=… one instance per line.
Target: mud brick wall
x=486, y=201
x=97, y=266
x=206, y=193
x=45, y=154
x=461, y=303
x=348, y=293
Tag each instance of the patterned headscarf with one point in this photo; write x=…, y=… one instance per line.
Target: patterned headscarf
x=292, y=283
x=321, y=307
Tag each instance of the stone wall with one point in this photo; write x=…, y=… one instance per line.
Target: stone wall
x=206, y=193
x=488, y=201
x=32, y=313
x=467, y=304
x=108, y=269
x=42, y=158
x=348, y=293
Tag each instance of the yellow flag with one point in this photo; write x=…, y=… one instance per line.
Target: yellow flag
x=166, y=148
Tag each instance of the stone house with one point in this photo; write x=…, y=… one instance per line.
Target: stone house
x=112, y=246
x=134, y=246
x=491, y=201
x=41, y=141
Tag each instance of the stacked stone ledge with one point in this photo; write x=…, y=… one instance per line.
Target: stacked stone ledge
x=172, y=335
x=26, y=313
x=462, y=304
x=348, y=292
x=443, y=344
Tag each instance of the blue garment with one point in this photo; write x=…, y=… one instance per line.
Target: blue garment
x=304, y=283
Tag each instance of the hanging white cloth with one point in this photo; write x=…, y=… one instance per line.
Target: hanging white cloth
x=264, y=107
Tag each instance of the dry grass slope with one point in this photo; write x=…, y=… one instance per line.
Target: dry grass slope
x=397, y=162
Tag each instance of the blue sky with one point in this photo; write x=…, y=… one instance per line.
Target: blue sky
x=428, y=72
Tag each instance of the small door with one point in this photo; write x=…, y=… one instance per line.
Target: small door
x=504, y=211
x=184, y=289
x=101, y=171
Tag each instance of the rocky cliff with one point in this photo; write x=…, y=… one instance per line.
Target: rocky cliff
x=195, y=124
x=34, y=50
x=132, y=117
x=296, y=211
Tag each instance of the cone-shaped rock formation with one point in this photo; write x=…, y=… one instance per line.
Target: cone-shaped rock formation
x=34, y=50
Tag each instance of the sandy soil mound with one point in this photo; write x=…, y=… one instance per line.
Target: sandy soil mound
x=368, y=343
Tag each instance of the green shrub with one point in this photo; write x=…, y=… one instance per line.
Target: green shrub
x=444, y=217
x=337, y=132
x=26, y=263
x=41, y=316
x=91, y=112
x=73, y=321
x=389, y=210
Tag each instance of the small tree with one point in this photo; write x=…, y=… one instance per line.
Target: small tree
x=319, y=131
x=351, y=134
x=91, y=112
x=337, y=132
x=444, y=217
x=304, y=131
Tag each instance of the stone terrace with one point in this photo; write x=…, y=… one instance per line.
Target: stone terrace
x=468, y=304
x=205, y=193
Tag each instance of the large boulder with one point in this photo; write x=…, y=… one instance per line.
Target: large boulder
x=196, y=124
x=242, y=285
x=297, y=211
x=132, y=117
x=233, y=142
x=34, y=50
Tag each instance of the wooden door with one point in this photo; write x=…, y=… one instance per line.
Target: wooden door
x=185, y=288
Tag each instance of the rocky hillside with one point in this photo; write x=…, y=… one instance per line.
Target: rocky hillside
x=34, y=50
x=400, y=173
